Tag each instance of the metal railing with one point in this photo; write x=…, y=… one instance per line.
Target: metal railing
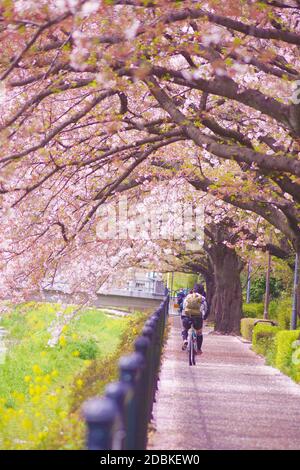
x=119, y=420
x=265, y=320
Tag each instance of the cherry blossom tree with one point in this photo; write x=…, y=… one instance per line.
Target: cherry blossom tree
x=103, y=97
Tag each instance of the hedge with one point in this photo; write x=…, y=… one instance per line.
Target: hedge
x=263, y=340
x=279, y=310
x=287, y=355
x=279, y=347
x=247, y=325
x=253, y=310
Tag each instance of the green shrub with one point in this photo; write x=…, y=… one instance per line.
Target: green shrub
x=247, y=325
x=85, y=349
x=281, y=311
x=285, y=354
x=253, y=310
x=284, y=313
x=263, y=340
x=258, y=288
x=273, y=309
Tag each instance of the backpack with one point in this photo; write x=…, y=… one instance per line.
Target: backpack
x=204, y=308
x=193, y=305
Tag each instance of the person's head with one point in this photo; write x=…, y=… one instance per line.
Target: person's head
x=199, y=289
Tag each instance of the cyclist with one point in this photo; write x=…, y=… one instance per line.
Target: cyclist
x=180, y=299
x=195, y=310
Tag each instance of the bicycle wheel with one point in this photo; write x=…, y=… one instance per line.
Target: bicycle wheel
x=191, y=351
x=194, y=351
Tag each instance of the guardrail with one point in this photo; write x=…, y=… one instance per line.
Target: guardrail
x=119, y=420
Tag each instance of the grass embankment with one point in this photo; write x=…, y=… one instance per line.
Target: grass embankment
x=42, y=388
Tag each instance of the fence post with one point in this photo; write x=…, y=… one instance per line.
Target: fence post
x=101, y=416
x=118, y=392
x=148, y=332
x=154, y=323
x=161, y=317
x=130, y=371
x=142, y=346
x=166, y=306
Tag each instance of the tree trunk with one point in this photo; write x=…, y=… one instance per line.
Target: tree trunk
x=298, y=300
x=227, y=300
x=296, y=292
x=210, y=293
x=298, y=295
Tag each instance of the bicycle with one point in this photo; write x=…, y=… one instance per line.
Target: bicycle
x=192, y=347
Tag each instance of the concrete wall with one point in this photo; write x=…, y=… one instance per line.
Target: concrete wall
x=132, y=302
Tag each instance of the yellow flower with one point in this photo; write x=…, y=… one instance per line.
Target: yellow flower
x=54, y=373
x=74, y=336
x=75, y=353
x=36, y=399
x=42, y=435
x=27, y=378
x=47, y=379
x=19, y=396
x=27, y=424
x=38, y=379
x=62, y=341
x=38, y=389
x=4, y=419
x=79, y=383
x=36, y=369
x=52, y=400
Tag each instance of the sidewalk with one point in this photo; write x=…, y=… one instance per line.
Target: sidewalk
x=229, y=400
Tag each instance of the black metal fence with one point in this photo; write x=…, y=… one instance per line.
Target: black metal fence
x=119, y=420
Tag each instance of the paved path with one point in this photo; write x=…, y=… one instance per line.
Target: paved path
x=229, y=400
